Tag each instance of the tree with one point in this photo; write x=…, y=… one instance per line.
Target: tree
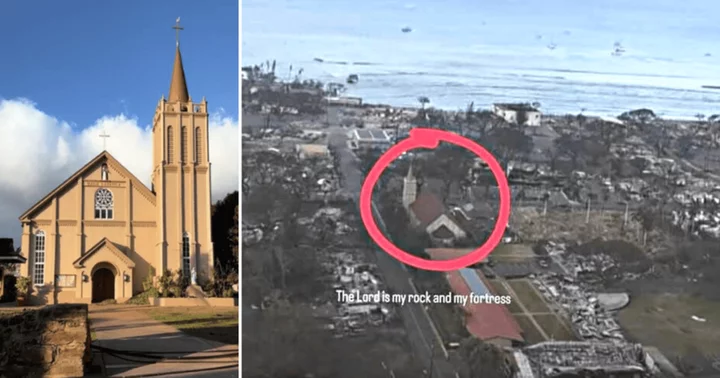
x=608, y=132
x=452, y=165
x=648, y=218
x=486, y=360
x=224, y=230
x=233, y=234
x=423, y=101
x=642, y=116
x=509, y=142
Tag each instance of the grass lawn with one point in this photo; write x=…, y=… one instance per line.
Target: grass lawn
x=664, y=321
x=555, y=328
x=512, y=252
x=212, y=323
x=529, y=297
x=500, y=289
x=530, y=332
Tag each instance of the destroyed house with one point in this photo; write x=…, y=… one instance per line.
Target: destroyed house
x=566, y=359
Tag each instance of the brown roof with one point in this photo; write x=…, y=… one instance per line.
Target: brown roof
x=178, y=85
x=427, y=207
x=485, y=320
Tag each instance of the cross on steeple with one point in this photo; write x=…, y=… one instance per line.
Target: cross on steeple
x=104, y=135
x=177, y=28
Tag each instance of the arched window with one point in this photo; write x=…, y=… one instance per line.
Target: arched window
x=103, y=204
x=170, y=150
x=104, y=172
x=39, y=259
x=186, y=254
x=198, y=145
x=184, y=144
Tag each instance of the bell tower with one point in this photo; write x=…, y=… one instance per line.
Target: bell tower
x=410, y=186
x=181, y=178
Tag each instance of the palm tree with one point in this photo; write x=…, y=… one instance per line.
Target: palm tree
x=423, y=100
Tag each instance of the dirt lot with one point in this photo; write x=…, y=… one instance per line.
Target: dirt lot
x=525, y=293
x=664, y=321
x=531, y=225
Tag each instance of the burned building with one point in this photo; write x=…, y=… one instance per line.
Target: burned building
x=571, y=359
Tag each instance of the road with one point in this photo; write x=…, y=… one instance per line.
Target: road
x=422, y=333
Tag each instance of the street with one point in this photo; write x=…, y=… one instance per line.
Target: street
x=422, y=334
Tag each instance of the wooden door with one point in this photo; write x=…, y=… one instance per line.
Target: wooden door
x=103, y=283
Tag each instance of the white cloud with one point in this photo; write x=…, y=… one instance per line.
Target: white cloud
x=38, y=152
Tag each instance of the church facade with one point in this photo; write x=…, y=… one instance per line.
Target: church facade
x=102, y=232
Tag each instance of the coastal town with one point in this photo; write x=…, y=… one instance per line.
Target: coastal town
x=609, y=255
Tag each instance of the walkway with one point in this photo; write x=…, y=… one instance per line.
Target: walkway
x=127, y=328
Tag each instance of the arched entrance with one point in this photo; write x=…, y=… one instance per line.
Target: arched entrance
x=103, y=285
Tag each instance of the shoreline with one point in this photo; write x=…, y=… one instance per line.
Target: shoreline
x=460, y=108
x=554, y=116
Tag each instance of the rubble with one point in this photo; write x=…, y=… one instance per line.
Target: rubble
x=573, y=358
x=355, y=317
x=592, y=314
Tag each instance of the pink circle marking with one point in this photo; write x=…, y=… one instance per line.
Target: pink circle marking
x=430, y=138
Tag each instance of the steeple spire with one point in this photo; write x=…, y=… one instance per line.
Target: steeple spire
x=410, y=171
x=178, y=85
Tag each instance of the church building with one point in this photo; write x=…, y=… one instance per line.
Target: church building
x=427, y=212
x=102, y=232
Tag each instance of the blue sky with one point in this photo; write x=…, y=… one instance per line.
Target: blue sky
x=79, y=60
x=70, y=70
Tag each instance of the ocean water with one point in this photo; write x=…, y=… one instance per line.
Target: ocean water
x=462, y=51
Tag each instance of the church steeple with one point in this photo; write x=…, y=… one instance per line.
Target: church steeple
x=181, y=178
x=409, y=188
x=178, y=85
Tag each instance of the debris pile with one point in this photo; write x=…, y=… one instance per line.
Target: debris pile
x=582, y=358
x=353, y=277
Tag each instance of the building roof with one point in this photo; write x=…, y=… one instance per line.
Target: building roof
x=427, y=207
x=484, y=320
x=178, y=85
x=371, y=135
x=8, y=253
x=313, y=149
x=114, y=248
x=111, y=161
x=447, y=253
x=443, y=233
x=517, y=107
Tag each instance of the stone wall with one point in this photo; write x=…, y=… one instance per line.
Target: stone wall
x=52, y=341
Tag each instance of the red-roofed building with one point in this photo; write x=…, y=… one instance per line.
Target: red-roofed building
x=491, y=323
x=427, y=212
